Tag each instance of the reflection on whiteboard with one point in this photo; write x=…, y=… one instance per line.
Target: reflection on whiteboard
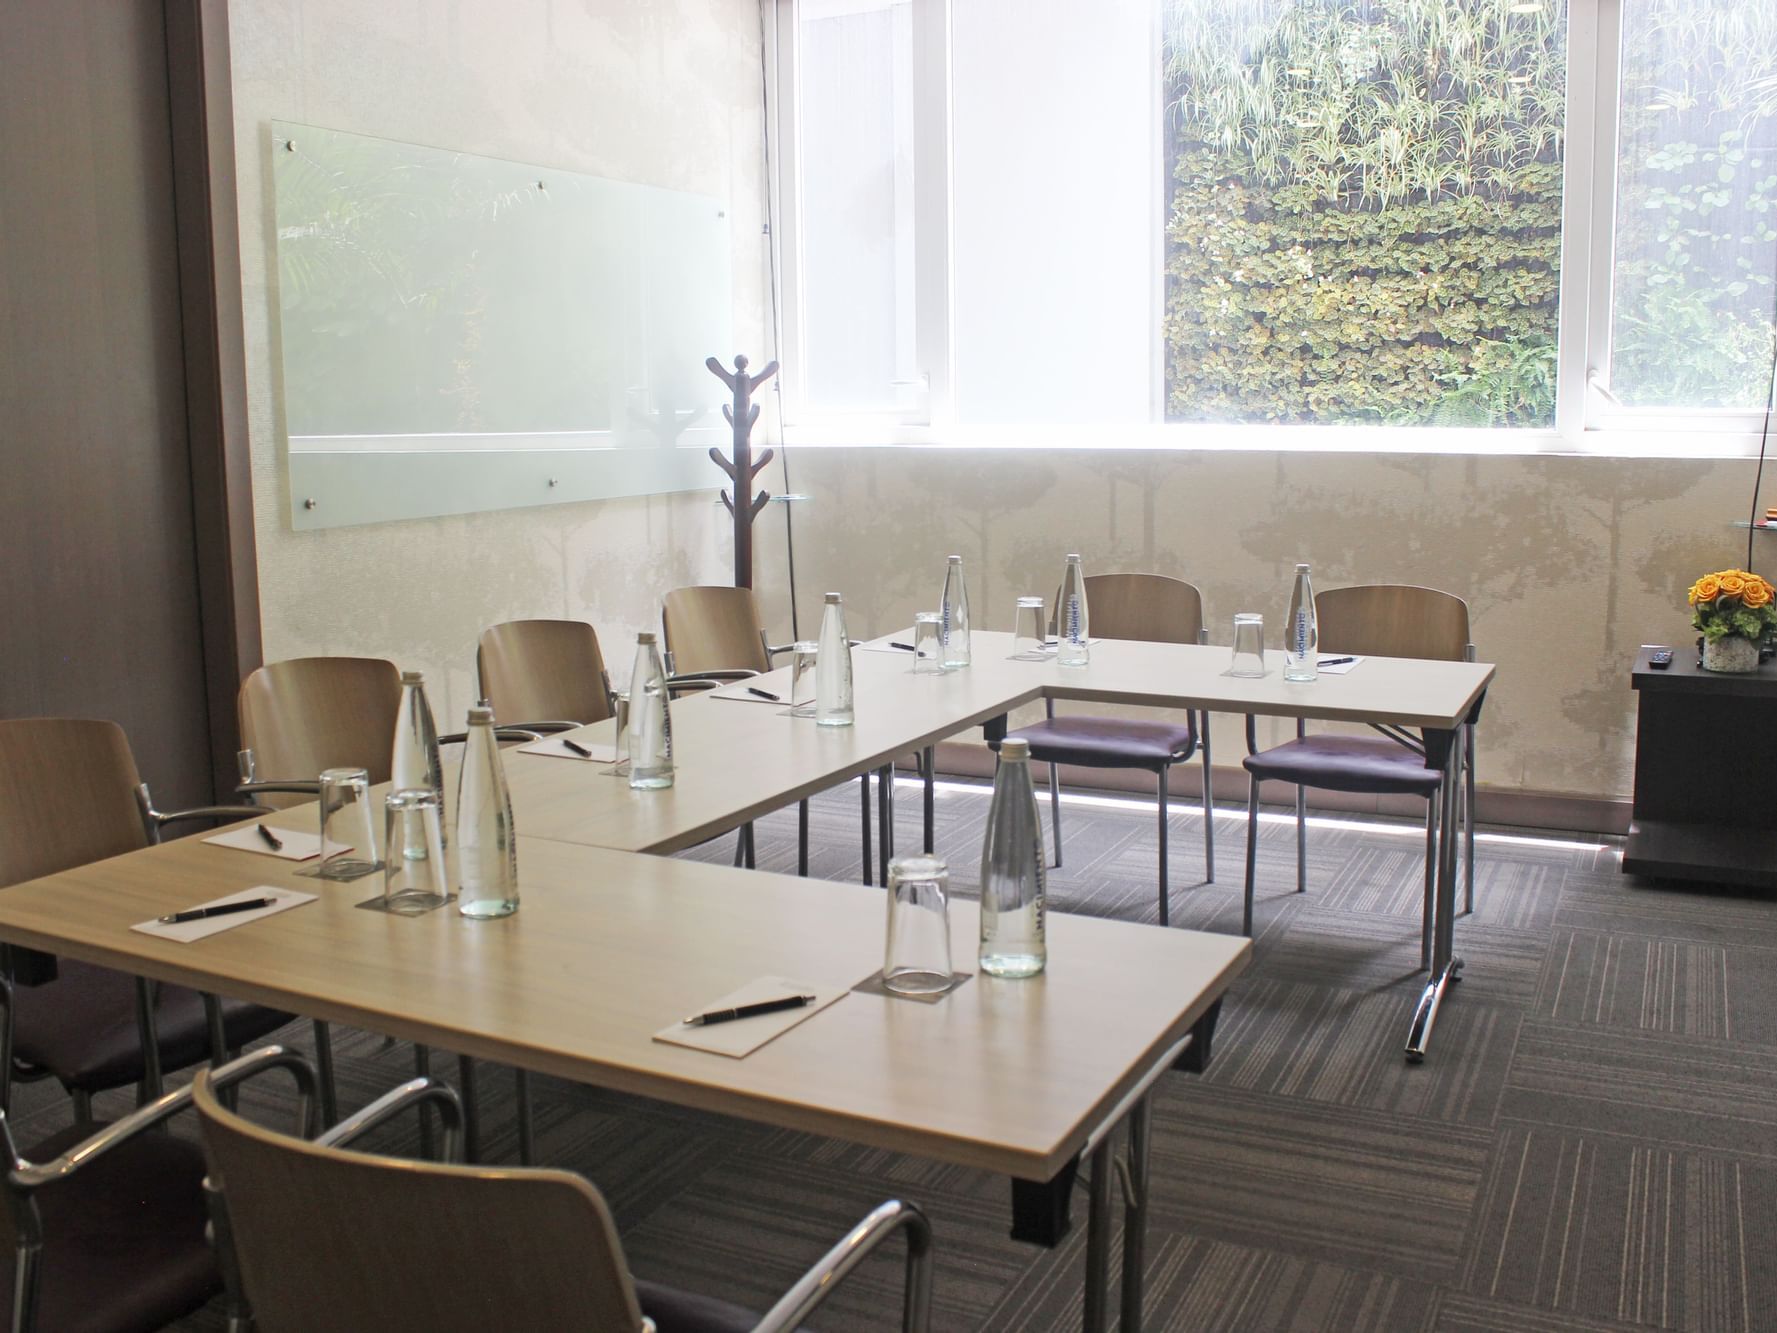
x=433, y=301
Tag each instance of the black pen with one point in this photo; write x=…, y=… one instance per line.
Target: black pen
x=904, y=647
x=577, y=748
x=748, y=1011
x=222, y=909
x=1334, y=661
x=272, y=840
x=763, y=694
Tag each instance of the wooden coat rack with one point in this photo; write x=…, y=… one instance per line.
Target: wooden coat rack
x=741, y=471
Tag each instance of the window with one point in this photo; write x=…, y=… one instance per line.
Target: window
x=1692, y=323
x=1364, y=214
x=1512, y=223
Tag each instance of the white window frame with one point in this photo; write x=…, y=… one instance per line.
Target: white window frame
x=1588, y=419
x=931, y=221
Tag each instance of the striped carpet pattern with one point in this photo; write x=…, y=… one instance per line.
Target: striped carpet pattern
x=1590, y=1145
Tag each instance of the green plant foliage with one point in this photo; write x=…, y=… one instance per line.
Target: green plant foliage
x=1365, y=214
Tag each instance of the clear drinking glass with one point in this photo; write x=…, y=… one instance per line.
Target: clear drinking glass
x=620, y=720
x=1029, y=629
x=928, y=643
x=803, y=657
x=415, y=881
x=348, y=835
x=1249, y=644
x=916, y=955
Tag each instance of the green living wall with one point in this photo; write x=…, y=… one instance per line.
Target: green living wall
x=1364, y=215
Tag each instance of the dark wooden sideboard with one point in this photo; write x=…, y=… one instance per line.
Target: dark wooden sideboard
x=1705, y=773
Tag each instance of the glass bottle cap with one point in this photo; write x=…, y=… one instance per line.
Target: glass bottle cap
x=413, y=678
x=481, y=717
x=832, y=599
x=646, y=636
x=1014, y=748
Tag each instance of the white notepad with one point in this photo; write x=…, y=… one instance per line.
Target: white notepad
x=1340, y=669
x=187, y=932
x=743, y=1036
x=555, y=747
x=297, y=846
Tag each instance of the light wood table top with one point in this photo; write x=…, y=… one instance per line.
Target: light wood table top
x=737, y=760
x=609, y=947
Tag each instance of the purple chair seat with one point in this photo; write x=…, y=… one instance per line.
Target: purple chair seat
x=1370, y=764
x=1109, y=742
x=123, y=1238
x=82, y=1027
x=676, y=1311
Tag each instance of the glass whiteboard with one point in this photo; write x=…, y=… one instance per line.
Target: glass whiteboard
x=464, y=333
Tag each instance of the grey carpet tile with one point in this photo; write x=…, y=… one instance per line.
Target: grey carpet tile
x=1611, y=1228
x=1351, y=1186
x=1646, y=1085
x=1337, y=1045
x=1590, y=1147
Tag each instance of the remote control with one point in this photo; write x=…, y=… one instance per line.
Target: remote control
x=1660, y=660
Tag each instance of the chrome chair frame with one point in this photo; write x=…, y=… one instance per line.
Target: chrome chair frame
x=1463, y=738
x=23, y=1178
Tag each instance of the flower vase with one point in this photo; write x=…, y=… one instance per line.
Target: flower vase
x=1731, y=652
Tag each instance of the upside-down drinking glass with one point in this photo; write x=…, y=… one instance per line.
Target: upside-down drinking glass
x=348, y=834
x=1249, y=645
x=1029, y=630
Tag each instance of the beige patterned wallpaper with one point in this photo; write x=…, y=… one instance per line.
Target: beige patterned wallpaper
x=1568, y=564
x=663, y=92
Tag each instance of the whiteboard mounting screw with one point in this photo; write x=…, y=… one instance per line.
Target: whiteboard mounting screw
x=310, y=503
x=553, y=481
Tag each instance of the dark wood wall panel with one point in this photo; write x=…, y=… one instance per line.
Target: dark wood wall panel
x=98, y=595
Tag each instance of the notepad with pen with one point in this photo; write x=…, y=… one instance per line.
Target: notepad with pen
x=742, y=1036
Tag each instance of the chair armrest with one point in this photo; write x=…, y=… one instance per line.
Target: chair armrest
x=696, y=684
x=725, y=674
x=541, y=729
x=414, y=1092
x=819, y=1282
x=208, y=812
x=30, y=1176
x=300, y=786
x=500, y=734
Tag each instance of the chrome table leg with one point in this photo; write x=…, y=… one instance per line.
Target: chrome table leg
x=931, y=767
x=1445, y=966
x=1135, y=1215
x=1098, y=1238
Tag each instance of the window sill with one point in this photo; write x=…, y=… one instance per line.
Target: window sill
x=1670, y=439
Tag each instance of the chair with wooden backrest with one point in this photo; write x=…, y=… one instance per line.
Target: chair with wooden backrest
x=70, y=795
x=306, y=715
x=319, y=1236
x=548, y=672
x=1372, y=620
x=716, y=632
x=1156, y=609
x=106, y=1222
x=303, y=716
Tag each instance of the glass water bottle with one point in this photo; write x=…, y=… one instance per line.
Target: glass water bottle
x=954, y=628
x=1075, y=647
x=487, y=847
x=414, y=764
x=1301, y=634
x=1012, y=872
x=832, y=668
x=650, y=720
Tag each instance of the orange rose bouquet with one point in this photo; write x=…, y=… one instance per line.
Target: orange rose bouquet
x=1734, y=602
